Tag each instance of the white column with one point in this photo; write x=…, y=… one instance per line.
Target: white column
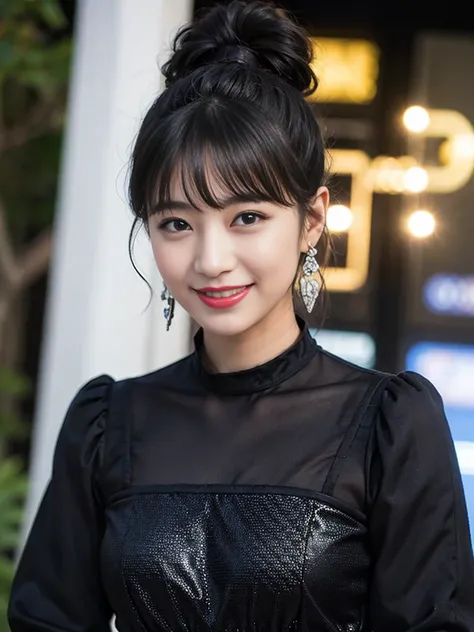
x=96, y=320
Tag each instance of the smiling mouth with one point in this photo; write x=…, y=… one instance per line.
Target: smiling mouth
x=223, y=293
x=223, y=297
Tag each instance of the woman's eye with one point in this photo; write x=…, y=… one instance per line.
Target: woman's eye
x=247, y=219
x=174, y=225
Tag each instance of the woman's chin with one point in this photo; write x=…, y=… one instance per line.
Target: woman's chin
x=225, y=322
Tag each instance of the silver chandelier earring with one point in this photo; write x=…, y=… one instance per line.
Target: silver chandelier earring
x=309, y=287
x=168, y=310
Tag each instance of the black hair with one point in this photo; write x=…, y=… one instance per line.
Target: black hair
x=234, y=105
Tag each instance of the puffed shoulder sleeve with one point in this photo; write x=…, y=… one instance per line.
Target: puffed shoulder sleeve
x=57, y=584
x=423, y=576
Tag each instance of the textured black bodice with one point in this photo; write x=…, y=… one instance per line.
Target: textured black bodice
x=306, y=494
x=236, y=559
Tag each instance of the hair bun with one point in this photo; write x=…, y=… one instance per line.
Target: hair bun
x=255, y=34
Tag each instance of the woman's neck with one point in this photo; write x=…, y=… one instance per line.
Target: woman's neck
x=257, y=345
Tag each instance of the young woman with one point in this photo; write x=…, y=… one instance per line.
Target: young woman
x=260, y=483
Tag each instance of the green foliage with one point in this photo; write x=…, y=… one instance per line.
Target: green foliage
x=35, y=51
x=28, y=181
x=25, y=52
x=12, y=385
x=13, y=488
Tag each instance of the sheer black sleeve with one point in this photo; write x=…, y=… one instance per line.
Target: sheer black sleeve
x=423, y=562
x=57, y=584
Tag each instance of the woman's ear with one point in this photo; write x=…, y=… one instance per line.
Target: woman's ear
x=316, y=219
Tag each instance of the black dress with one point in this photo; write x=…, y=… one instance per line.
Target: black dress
x=304, y=494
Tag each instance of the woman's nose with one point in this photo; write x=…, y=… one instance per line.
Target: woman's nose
x=214, y=254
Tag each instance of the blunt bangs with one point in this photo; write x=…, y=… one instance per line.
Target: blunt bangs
x=234, y=143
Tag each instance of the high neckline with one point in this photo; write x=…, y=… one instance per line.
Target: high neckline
x=262, y=376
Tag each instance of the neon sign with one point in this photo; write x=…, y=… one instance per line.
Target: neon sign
x=450, y=294
x=387, y=174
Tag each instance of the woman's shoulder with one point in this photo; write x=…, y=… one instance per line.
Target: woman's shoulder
x=169, y=375
x=404, y=399
x=104, y=405
x=411, y=395
x=179, y=376
x=92, y=394
x=80, y=438
x=412, y=419
x=99, y=395
x=399, y=388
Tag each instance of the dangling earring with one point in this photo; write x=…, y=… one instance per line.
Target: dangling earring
x=309, y=287
x=168, y=311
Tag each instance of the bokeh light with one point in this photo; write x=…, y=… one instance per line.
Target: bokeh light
x=416, y=119
x=339, y=218
x=421, y=224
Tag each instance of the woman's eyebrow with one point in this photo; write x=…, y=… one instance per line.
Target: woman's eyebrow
x=181, y=205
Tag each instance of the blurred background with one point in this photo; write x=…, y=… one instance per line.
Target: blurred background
x=396, y=104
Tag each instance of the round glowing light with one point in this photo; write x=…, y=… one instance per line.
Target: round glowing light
x=416, y=119
x=415, y=179
x=463, y=146
x=339, y=218
x=421, y=224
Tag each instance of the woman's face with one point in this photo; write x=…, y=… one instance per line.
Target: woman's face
x=229, y=269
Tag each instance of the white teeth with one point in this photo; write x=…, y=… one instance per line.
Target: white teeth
x=225, y=293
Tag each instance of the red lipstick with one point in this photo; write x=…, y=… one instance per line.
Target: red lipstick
x=212, y=296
